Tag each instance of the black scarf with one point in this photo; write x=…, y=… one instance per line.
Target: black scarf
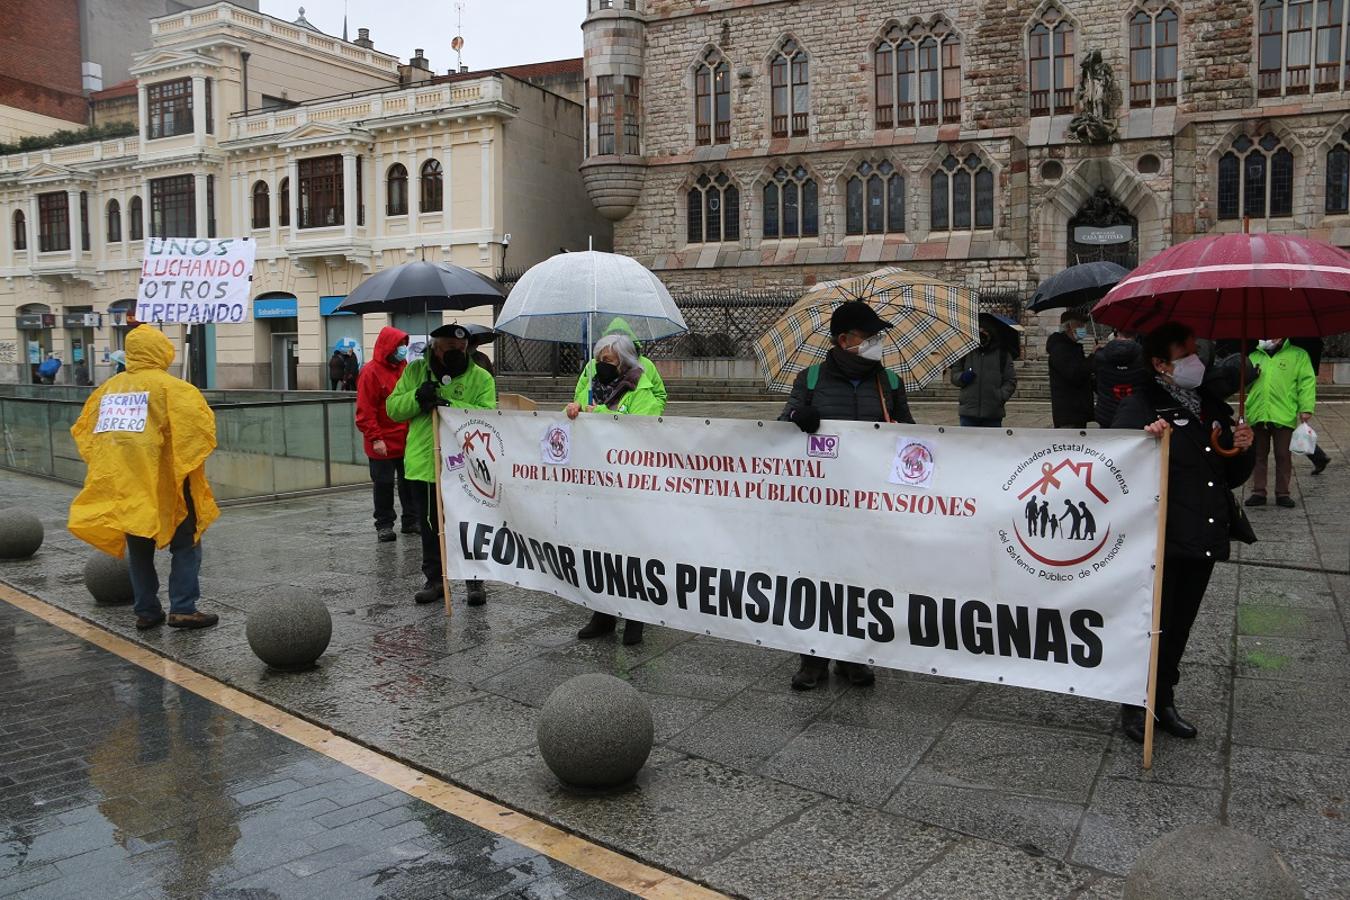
x=1187, y=397
x=852, y=366
x=610, y=394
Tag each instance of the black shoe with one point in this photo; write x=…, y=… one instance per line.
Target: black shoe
x=1132, y=722
x=632, y=633
x=411, y=528
x=600, y=624
x=385, y=535
x=857, y=674
x=812, y=672
x=1286, y=502
x=1171, y=722
x=430, y=594
x=1256, y=500
x=144, y=624
x=476, y=594
x=1320, y=462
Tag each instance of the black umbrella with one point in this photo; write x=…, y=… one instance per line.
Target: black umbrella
x=422, y=287
x=479, y=334
x=1077, y=285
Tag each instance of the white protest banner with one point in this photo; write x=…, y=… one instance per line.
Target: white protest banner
x=1024, y=558
x=123, y=412
x=195, y=281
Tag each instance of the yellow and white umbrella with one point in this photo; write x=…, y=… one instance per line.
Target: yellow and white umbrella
x=933, y=324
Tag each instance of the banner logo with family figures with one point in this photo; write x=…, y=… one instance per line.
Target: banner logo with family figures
x=479, y=451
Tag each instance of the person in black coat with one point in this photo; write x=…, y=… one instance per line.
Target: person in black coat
x=1200, y=482
x=853, y=385
x=1070, y=373
x=1117, y=371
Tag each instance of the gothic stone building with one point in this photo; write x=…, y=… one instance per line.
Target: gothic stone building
x=773, y=143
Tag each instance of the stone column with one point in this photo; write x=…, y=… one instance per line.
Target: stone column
x=486, y=213
x=74, y=220
x=349, y=196
x=414, y=192
x=293, y=172
x=199, y=204
x=146, y=214
x=447, y=184
x=199, y=109
x=142, y=107
x=274, y=192
x=375, y=222
x=32, y=226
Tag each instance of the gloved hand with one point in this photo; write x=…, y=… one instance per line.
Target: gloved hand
x=966, y=377
x=427, y=397
x=807, y=419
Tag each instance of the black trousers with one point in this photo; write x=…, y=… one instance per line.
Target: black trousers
x=384, y=475
x=1184, y=584
x=424, y=502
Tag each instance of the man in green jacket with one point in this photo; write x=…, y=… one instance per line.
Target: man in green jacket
x=651, y=379
x=1279, y=400
x=445, y=376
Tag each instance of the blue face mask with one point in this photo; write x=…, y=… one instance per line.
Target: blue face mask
x=401, y=353
x=1081, y=333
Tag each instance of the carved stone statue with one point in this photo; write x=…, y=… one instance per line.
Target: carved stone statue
x=1098, y=97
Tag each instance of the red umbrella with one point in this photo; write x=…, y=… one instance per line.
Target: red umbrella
x=1235, y=285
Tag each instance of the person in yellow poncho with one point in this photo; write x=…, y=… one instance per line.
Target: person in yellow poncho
x=145, y=436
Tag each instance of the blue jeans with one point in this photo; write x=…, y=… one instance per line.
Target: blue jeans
x=980, y=422
x=184, y=588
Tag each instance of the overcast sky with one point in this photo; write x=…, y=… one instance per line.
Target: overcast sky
x=496, y=32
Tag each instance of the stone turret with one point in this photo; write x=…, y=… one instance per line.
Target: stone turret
x=614, y=166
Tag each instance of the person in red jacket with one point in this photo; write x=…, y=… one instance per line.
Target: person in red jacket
x=385, y=438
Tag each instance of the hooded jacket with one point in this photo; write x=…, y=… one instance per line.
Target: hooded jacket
x=651, y=380
x=140, y=452
x=1070, y=381
x=1118, y=366
x=995, y=382
x=373, y=387
x=474, y=389
x=1287, y=386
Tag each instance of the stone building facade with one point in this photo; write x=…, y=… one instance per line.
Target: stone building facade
x=337, y=159
x=940, y=136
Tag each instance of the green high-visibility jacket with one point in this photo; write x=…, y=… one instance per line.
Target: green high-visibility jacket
x=640, y=401
x=1287, y=386
x=651, y=380
x=475, y=389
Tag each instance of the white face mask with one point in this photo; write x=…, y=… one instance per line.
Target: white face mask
x=871, y=348
x=1188, y=372
x=1269, y=345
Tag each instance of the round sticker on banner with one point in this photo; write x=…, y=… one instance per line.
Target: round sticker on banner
x=914, y=463
x=556, y=447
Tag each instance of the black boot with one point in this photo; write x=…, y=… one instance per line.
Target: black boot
x=476, y=593
x=1132, y=722
x=812, y=672
x=600, y=624
x=632, y=633
x=430, y=594
x=857, y=674
x=1319, y=460
x=1172, y=723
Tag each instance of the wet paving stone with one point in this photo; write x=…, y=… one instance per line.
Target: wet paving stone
x=118, y=783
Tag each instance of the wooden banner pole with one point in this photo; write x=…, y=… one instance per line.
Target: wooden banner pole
x=1157, y=600
x=440, y=505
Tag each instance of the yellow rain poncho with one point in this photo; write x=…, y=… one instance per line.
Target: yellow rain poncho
x=142, y=433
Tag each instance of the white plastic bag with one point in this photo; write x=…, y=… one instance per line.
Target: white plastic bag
x=1304, y=440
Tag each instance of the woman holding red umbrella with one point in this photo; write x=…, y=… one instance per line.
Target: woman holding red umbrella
x=1200, y=482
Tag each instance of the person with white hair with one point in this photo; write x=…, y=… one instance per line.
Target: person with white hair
x=618, y=387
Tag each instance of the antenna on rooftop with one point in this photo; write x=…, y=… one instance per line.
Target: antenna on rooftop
x=457, y=43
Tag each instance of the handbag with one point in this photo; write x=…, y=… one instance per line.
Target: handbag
x=1239, y=526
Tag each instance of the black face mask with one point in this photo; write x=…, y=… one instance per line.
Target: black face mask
x=606, y=372
x=452, y=363
x=986, y=339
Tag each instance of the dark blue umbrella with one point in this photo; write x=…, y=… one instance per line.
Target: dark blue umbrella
x=422, y=287
x=1077, y=285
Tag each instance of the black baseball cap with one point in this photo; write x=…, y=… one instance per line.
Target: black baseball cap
x=451, y=331
x=856, y=315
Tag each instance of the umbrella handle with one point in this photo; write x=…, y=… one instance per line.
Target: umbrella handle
x=1219, y=449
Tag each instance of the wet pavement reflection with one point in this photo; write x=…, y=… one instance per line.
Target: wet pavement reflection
x=117, y=783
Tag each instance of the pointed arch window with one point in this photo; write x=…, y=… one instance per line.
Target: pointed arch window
x=961, y=195
x=1052, y=52
x=114, y=222
x=1153, y=57
x=432, y=187
x=1338, y=176
x=20, y=231
x=789, y=85
x=874, y=200
x=714, y=210
x=397, y=202
x=135, y=220
x=1302, y=46
x=791, y=207
x=918, y=76
x=262, y=212
x=712, y=100
x=1256, y=178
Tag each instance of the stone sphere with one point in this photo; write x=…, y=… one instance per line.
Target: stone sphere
x=21, y=534
x=1210, y=862
x=108, y=579
x=595, y=731
x=289, y=632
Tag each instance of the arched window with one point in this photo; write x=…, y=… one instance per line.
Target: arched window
x=1256, y=178
x=961, y=195
x=875, y=200
x=1052, y=55
x=431, y=187
x=284, y=203
x=1301, y=47
x=1338, y=176
x=789, y=85
x=262, y=214
x=923, y=65
x=136, y=223
x=714, y=210
x=790, y=205
x=20, y=231
x=114, y=222
x=1153, y=57
x=712, y=100
x=397, y=202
